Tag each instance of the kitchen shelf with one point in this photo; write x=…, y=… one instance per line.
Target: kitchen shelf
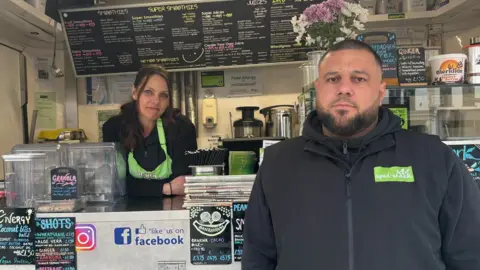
x=432, y=86
x=27, y=26
x=454, y=16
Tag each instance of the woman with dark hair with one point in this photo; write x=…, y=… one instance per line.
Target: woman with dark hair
x=154, y=135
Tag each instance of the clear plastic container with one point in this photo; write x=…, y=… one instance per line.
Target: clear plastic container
x=96, y=165
x=55, y=157
x=24, y=179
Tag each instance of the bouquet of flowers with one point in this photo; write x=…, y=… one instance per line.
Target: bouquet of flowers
x=329, y=22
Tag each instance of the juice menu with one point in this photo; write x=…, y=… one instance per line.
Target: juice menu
x=17, y=239
x=184, y=36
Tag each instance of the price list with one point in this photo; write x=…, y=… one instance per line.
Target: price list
x=55, y=243
x=17, y=238
x=411, y=66
x=238, y=219
x=210, y=235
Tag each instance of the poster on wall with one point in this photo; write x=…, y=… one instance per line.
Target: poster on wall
x=210, y=235
x=46, y=105
x=55, y=243
x=469, y=153
x=401, y=111
x=17, y=239
x=102, y=117
x=238, y=219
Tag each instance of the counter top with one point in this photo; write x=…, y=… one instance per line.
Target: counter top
x=134, y=205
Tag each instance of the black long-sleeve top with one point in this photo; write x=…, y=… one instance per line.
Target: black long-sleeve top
x=180, y=137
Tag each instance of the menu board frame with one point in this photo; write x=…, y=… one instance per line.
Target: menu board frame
x=465, y=142
x=159, y=4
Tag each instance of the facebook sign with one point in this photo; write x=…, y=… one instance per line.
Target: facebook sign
x=123, y=236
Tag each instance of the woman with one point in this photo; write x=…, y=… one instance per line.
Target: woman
x=154, y=136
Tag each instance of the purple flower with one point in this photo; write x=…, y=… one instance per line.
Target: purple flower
x=319, y=13
x=335, y=5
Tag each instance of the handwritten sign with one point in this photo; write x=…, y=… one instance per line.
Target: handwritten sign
x=385, y=45
x=411, y=66
x=17, y=237
x=238, y=219
x=55, y=243
x=64, y=183
x=210, y=235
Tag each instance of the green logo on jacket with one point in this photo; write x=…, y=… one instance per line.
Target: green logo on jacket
x=393, y=174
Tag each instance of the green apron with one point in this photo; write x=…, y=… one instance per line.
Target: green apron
x=163, y=171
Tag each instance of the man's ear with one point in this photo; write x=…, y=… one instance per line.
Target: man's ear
x=383, y=89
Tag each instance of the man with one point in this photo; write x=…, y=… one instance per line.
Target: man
x=356, y=192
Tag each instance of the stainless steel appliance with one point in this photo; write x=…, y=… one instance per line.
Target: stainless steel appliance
x=248, y=126
x=279, y=120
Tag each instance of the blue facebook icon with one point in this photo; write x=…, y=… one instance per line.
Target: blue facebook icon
x=123, y=236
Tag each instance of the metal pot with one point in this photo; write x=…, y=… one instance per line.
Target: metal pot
x=279, y=120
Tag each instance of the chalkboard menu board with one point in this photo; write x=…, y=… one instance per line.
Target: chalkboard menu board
x=64, y=183
x=210, y=235
x=55, y=243
x=17, y=239
x=385, y=44
x=238, y=219
x=469, y=153
x=110, y=40
x=411, y=66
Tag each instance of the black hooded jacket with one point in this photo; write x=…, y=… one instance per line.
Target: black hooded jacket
x=394, y=199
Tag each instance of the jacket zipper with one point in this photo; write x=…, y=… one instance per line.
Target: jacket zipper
x=348, y=193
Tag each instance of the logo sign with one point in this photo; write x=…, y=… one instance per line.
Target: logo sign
x=210, y=235
x=394, y=174
x=153, y=237
x=85, y=237
x=123, y=236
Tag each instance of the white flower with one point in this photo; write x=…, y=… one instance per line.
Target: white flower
x=346, y=31
x=294, y=20
x=346, y=12
x=338, y=39
x=298, y=39
x=310, y=40
x=357, y=24
x=363, y=18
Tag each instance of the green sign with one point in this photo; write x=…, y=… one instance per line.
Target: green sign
x=393, y=174
x=213, y=79
x=394, y=16
x=402, y=112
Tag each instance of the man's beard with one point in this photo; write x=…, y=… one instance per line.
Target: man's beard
x=348, y=128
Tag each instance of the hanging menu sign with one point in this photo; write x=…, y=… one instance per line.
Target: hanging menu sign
x=411, y=66
x=17, y=239
x=385, y=45
x=238, y=219
x=109, y=40
x=283, y=47
x=64, y=183
x=55, y=243
x=210, y=235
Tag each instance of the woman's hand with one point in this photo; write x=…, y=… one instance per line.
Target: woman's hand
x=177, y=186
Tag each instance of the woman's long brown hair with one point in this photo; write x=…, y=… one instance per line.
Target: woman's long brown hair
x=132, y=128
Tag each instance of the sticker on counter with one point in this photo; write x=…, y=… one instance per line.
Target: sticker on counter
x=64, y=183
x=238, y=219
x=210, y=235
x=55, y=243
x=17, y=239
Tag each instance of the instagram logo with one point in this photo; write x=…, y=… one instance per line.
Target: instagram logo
x=85, y=237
